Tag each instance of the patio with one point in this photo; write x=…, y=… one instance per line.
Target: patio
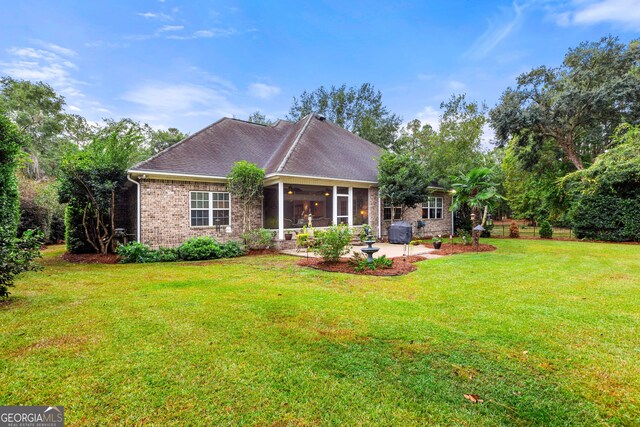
x=387, y=249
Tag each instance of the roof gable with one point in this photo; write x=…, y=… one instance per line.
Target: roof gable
x=312, y=146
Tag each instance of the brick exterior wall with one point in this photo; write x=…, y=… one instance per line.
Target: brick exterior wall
x=165, y=218
x=432, y=227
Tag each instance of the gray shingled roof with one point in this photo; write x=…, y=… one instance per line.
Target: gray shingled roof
x=311, y=147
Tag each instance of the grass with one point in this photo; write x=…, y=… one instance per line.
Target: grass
x=545, y=332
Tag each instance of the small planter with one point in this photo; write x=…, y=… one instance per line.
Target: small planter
x=288, y=236
x=437, y=245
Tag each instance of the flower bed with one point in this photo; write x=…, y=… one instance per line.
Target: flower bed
x=401, y=265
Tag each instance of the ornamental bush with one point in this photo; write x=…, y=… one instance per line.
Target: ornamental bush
x=379, y=263
x=258, y=239
x=514, y=230
x=333, y=243
x=546, y=231
x=199, y=248
x=136, y=252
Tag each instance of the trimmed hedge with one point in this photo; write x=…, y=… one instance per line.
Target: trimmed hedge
x=196, y=249
x=607, y=216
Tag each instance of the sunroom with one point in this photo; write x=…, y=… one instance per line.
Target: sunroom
x=291, y=204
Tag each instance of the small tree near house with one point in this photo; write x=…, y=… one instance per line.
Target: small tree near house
x=89, y=179
x=246, y=184
x=403, y=180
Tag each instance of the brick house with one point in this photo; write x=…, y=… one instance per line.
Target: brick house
x=312, y=167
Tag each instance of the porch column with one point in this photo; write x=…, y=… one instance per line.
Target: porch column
x=350, y=207
x=281, y=210
x=335, y=205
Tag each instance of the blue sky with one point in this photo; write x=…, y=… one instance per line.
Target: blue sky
x=186, y=64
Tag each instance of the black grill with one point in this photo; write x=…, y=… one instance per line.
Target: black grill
x=400, y=232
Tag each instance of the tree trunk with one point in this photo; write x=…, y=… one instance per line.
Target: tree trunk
x=570, y=150
x=474, y=223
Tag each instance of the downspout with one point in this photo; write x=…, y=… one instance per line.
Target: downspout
x=138, y=207
x=379, y=219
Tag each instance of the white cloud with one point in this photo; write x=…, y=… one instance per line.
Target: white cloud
x=56, y=66
x=209, y=33
x=496, y=33
x=155, y=15
x=422, y=76
x=456, y=85
x=624, y=13
x=430, y=116
x=170, y=28
x=158, y=103
x=52, y=66
x=263, y=91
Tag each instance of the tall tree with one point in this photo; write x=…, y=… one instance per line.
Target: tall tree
x=162, y=139
x=577, y=106
x=258, y=117
x=456, y=146
x=38, y=111
x=403, y=180
x=358, y=109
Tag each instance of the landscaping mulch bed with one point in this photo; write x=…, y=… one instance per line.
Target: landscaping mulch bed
x=91, y=258
x=401, y=265
x=458, y=248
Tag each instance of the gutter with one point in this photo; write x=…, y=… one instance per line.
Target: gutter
x=138, y=206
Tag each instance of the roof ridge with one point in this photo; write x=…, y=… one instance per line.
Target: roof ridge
x=293, y=146
x=137, y=165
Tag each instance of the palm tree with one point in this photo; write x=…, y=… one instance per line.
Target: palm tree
x=478, y=191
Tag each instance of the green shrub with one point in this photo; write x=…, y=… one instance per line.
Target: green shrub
x=74, y=233
x=606, y=195
x=302, y=240
x=17, y=256
x=333, y=243
x=258, y=239
x=377, y=264
x=166, y=255
x=546, y=231
x=135, y=252
x=199, y=248
x=231, y=249
x=196, y=249
x=602, y=216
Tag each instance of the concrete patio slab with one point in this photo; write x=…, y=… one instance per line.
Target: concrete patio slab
x=387, y=249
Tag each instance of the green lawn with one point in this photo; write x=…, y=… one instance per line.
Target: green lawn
x=546, y=332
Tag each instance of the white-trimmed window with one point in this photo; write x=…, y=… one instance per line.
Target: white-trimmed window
x=432, y=208
x=207, y=209
x=391, y=212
